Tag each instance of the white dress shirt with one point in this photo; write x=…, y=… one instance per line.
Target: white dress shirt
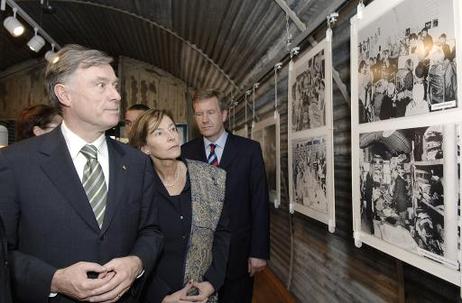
x=219, y=146
x=75, y=144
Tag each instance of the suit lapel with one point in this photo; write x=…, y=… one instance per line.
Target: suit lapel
x=200, y=148
x=117, y=181
x=229, y=153
x=60, y=169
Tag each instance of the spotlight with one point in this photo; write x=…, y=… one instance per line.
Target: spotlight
x=51, y=56
x=13, y=25
x=36, y=42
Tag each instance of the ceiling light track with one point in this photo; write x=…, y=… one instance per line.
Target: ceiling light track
x=13, y=25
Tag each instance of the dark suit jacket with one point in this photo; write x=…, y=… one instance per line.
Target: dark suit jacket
x=246, y=198
x=5, y=292
x=175, y=223
x=50, y=223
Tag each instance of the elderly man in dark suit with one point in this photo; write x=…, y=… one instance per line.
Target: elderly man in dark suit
x=78, y=207
x=246, y=193
x=5, y=292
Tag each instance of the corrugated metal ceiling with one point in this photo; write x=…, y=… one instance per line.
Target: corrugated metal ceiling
x=206, y=43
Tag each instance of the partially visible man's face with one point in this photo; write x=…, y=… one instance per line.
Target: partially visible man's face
x=130, y=118
x=209, y=118
x=94, y=100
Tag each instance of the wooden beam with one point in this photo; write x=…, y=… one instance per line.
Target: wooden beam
x=292, y=15
x=282, y=55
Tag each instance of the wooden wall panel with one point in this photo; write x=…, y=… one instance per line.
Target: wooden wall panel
x=21, y=86
x=146, y=84
x=24, y=85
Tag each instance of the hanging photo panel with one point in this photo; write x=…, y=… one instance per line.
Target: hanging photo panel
x=406, y=118
x=406, y=59
x=309, y=175
x=310, y=132
x=267, y=133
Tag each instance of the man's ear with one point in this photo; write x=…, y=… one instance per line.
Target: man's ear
x=224, y=115
x=37, y=130
x=145, y=150
x=62, y=93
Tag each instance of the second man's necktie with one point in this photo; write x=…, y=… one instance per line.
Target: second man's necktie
x=213, y=159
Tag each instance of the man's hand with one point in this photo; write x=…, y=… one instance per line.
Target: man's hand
x=205, y=291
x=256, y=265
x=73, y=281
x=125, y=271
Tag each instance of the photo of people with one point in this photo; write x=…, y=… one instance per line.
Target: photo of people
x=308, y=92
x=402, y=187
x=267, y=137
x=309, y=173
x=406, y=62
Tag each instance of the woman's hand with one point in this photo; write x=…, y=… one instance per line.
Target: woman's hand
x=179, y=296
x=205, y=291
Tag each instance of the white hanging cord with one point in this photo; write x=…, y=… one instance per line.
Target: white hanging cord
x=288, y=34
x=234, y=113
x=231, y=114
x=247, y=93
x=254, y=88
x=360, y=9
x=230, y=121
x=277, y=67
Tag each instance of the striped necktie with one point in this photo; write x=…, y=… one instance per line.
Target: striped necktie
x=94, y=183
x=212, y=159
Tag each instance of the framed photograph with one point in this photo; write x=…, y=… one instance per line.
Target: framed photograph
x=405, y=122
x=309, y=172
x=183, y=132
x=267, y=133
x=404, y=64
x=243, y=131
x=310, y=135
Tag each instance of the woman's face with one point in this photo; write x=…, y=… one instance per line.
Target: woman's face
x=163, y=143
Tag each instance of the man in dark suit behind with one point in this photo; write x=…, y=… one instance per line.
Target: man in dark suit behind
x=246, y=193
x=78, y=207
x=5, y=292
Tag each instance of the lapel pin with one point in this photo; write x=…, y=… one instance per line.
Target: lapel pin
x=124, y=167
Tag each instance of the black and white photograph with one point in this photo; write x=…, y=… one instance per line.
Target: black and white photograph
x=402, y=187
x=309, y=170
x=406, y=61
x=308, y=91
x=310, y=134
x=266, y=132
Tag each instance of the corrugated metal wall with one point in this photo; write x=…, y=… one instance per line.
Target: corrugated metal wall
x=328, y=267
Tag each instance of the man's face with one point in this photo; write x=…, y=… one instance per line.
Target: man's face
x=209, y=118
x=130, y=118
x=92, y=100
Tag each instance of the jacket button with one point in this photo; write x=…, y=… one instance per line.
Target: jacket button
x=181, y=217
x=184, y=237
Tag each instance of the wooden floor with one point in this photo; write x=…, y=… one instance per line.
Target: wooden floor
x=269, y=289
